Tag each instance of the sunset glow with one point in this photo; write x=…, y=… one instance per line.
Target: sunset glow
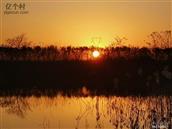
x=85, y=64
x=77, y=23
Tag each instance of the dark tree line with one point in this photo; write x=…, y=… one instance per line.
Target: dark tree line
x=52, y=53
x=20, y=49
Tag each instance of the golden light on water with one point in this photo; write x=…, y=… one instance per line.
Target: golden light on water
x=96, y=54
x=81, y=112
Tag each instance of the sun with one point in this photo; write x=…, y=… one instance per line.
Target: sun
x=96, y=53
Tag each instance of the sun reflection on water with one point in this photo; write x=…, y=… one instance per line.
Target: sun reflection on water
x=83, y=112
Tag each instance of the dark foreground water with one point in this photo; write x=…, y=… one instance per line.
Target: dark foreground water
x=61, y=112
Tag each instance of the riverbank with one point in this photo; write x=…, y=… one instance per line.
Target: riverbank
x=120, y=77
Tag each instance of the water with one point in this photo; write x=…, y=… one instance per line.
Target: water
x=63, y=112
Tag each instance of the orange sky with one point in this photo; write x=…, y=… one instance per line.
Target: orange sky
x=79, y=22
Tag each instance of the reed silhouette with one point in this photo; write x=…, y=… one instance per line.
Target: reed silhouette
x=99, y=112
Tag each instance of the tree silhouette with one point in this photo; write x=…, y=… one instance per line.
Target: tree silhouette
x=18, y=41
x=160, y=39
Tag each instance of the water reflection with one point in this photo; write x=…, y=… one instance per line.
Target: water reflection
x=15, y=105
x=86, y=112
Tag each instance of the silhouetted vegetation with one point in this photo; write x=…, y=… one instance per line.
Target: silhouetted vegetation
x=98, y=111
x=118, y=70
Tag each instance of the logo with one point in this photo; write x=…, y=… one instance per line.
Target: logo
x=15, y=8
x=161, y=124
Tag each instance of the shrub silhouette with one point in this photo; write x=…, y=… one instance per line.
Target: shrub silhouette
x=18, y=41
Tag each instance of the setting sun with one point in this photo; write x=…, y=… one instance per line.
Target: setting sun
x=96, y=54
